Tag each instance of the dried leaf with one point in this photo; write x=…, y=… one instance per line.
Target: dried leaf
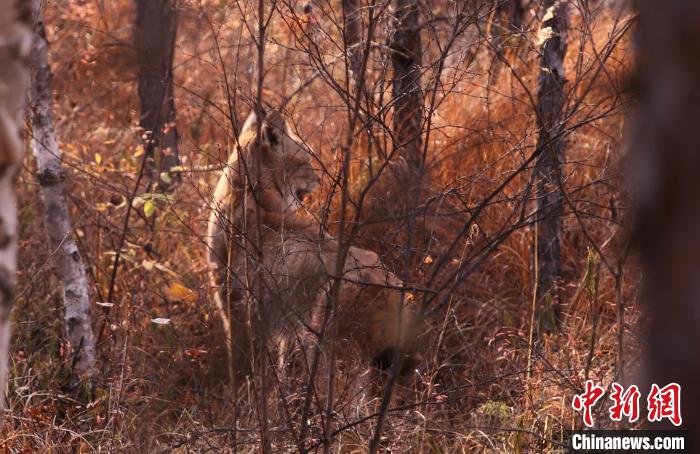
x=178, y=292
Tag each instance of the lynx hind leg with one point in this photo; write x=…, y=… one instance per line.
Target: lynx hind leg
x=388, y=320
x=390, y=324
x=390, y=332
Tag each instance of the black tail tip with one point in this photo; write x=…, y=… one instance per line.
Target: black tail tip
x=385, y=359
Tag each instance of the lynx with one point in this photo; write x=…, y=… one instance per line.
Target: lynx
x=257, y=204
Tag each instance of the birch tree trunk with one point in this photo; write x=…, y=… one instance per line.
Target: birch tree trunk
x=406, y=58
x=155, y=30
x=665, y=164
x=550, y=145
x=15, y=46
x=68, y=264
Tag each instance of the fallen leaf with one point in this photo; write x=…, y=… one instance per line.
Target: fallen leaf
x=178, y=292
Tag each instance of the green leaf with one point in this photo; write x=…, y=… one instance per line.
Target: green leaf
x=149, y=208
x=165, y=176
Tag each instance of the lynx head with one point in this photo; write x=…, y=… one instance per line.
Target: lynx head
x=287, y=175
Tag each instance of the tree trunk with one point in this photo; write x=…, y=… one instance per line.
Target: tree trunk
x=550, y=145
x=507, y=19
x=665, y=161
x=68, y=264
x=406, y=59
x=156, y=27
x=353, y=37
x=15, y=46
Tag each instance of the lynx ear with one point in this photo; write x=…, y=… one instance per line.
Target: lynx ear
x=251, y=123
x=273, y=128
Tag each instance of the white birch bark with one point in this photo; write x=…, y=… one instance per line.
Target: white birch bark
x=15, y=45
x=68, y=264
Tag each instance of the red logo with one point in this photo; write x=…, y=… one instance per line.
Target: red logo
x=587, y=400
x=662, y=403
x=665, y=403
x=626, y=403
